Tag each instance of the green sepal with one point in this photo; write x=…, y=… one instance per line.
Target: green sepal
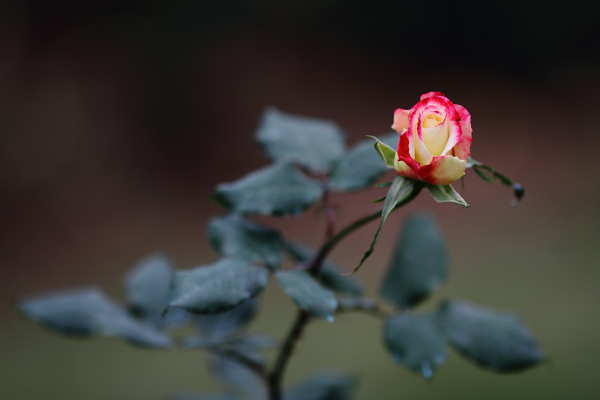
x=490, y=175
x=446, y=194
x=387, y=154
x=401, y=189
x=384, y=184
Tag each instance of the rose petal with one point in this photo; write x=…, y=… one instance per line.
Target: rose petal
x=462, y=149
x=431, y=94
x=443, y=170
x=403, y=152
x=435, y=138
x=404, y=170
x=401, y=120
x=465, y=120
x=422, y=155
x=454, y=136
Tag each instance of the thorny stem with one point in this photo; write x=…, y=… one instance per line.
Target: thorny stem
x=275, y=377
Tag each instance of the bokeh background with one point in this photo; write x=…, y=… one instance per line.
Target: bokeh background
x=117, y=119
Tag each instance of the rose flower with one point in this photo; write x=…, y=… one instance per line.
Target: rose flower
x=435, y=140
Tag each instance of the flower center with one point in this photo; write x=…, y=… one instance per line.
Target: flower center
x=431, y=120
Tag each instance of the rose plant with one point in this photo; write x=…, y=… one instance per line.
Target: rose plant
x=219, y=300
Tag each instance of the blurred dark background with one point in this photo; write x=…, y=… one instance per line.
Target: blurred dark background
x=117, y=119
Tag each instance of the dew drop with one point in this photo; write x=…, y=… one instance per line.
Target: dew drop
x=426, y=370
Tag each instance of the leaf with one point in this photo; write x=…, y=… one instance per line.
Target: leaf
x=446, y=194
x=87, y=312
x=234, y=236
x=278, y=189
x=323, y=385
x=330, y=275
x=147, y=287
x=308, y=294
x=417, y=342
x=228, y=323
x=419, y=264
x=218, y=287
x=400, y=190
x=120, y=324
x=360, y=168
x=313, y=143
x=236, y=378
x=495, y=340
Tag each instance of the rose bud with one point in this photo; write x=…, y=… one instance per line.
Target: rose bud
x=435, y=140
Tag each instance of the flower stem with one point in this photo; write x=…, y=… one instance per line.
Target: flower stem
x=275, y=377
x=317, y=262
x=253, y=365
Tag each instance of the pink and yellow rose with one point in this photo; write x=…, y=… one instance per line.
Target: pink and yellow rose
x=435, y=140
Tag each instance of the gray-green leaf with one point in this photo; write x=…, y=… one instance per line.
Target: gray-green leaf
x=361, y=167
x=229, y=322
x=308, y=294
x=416, y=341
x=446, y=194
x=278, y=189
x=419, y=264
x=86, y=312
x=218, y=287
x=235, y=236
x=323, y=385
x=330, y=275
x=495, y=340
x=401, y=189
x=147, y=286
x=313, y=143
x=236, y=378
